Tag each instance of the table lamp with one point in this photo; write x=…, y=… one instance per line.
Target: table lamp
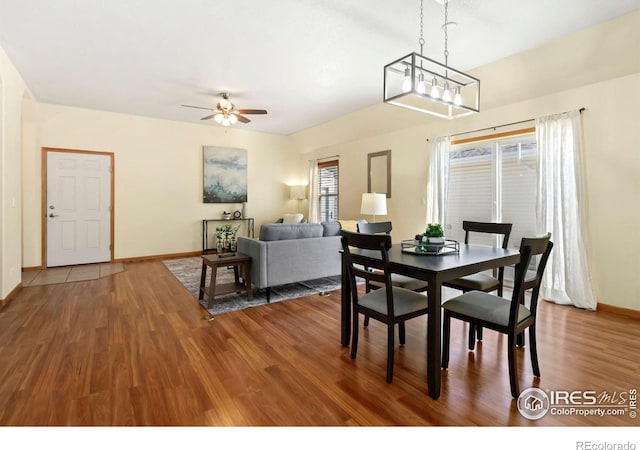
x=374, y=204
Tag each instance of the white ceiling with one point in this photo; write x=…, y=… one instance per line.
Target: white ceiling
x=306, y=62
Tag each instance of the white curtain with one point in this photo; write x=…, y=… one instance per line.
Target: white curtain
x=314, y=200
x=438, y=179
x=560, y=208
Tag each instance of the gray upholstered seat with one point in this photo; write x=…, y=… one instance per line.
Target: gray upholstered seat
x=390, y=304
x=510, y=317
x=486, y=307
x=481, y=281
x=396, y=279
x=404, y=301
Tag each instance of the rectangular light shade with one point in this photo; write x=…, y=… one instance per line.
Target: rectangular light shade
x=403, y=87
x=297, y=192
x=374, y=204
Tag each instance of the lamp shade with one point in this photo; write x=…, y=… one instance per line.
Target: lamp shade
x=297, y=193
x=374, y=204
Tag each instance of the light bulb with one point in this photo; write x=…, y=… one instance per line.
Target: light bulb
x=218, y=118
x=435, y=93
x=446, y=96
x=226, y=122
x=406, y=84
x=457, y=99
x=422, y=89
x=232, y=118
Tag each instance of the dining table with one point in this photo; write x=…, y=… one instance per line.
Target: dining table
x=435, y=270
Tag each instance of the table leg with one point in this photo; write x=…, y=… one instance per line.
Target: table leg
x=345, y=307
x=212, y=286
x=434, y=339
x=203, y=277
x=246, y=267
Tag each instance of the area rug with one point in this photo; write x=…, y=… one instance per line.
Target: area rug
x=188, y=271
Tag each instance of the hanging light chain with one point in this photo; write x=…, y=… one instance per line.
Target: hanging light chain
x=421, y=40
x=446, y=35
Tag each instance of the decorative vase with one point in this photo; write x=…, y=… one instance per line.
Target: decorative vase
x=219, y=244
x=233, y=246
x=245, y=213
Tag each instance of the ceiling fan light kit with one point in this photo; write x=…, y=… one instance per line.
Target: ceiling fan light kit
x=422, y=84
x=225, y=113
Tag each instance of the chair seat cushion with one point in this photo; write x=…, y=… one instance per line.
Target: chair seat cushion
x=475, y=282
x=404, y=301
x=487, y=307
x=398, y=280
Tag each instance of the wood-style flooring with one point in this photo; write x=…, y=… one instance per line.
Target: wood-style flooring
x=132, y=349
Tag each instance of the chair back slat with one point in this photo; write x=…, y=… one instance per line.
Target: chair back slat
x=503, y=229
x=358, y=265
x=529, y=247
x=374, y=228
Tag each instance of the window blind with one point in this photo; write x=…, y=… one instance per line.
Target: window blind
x=328, y=190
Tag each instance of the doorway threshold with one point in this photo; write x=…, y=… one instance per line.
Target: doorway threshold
x=70, y=274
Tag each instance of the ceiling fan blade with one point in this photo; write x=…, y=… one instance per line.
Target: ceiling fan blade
x=251, y=111
x=208, y=117
x=199, y=107
x=242, y=119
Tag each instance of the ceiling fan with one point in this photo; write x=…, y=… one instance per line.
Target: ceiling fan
x=225, y=113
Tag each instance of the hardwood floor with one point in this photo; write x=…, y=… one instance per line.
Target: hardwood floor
x=132, y=349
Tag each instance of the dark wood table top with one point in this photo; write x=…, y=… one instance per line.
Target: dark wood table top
x=225, y=258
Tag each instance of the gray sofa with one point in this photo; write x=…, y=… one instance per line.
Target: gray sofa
x=287, y=253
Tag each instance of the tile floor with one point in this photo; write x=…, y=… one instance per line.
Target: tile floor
x=70, y=274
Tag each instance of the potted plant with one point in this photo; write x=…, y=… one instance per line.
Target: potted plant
x=226, y=234
x=431, y=239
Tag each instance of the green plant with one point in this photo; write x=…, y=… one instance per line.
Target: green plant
x=227, y=230
x=434, y=230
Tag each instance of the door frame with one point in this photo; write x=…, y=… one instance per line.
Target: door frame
x=45, y=151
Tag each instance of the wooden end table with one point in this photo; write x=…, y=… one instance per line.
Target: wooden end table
x=241, y=264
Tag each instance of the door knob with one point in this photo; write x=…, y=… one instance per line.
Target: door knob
x=53, y=215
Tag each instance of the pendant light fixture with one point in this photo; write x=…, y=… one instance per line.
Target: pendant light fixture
x=425, y=85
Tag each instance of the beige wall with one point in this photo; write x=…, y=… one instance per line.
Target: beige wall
x=159, y=163
x=597, y=68
x=158, y=176
x=13, y=94
x=612, y=161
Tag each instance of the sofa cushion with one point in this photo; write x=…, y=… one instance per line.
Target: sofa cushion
x=292, y=218
x=330, y=228
x=283, y=231
x=350, y=225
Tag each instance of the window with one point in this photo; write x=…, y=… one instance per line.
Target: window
x=328, y=190
x=493, y=181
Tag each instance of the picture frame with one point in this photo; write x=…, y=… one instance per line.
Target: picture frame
x=224, y=175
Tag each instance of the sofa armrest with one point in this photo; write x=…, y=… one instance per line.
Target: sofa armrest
x=257, y=250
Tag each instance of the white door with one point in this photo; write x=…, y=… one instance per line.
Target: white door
x=78, y=208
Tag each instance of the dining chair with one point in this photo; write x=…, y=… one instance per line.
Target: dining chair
x=402, y=281
x=510, y=317
x=390, y=305
x=482, y=281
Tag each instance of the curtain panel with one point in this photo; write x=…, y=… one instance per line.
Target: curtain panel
x=560, y=209
x=438, y=180
x=314, y=200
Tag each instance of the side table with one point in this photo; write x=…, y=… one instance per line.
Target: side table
x=241, y=264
